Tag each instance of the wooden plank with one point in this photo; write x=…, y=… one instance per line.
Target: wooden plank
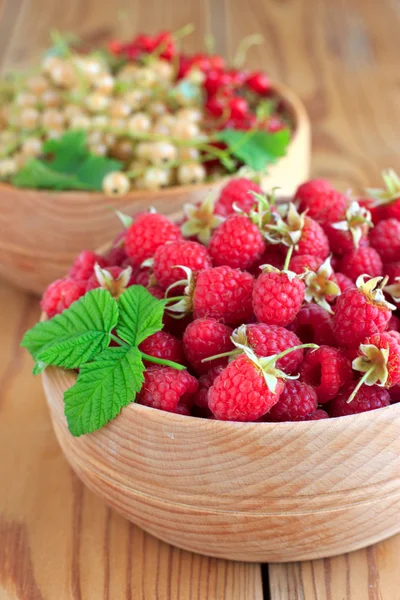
x=58, y=540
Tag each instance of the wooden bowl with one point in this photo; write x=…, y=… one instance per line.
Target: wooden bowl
x=243, y=491
x=42, y=231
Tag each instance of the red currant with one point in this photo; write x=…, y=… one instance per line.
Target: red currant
x=239, y=107
x=258, y=82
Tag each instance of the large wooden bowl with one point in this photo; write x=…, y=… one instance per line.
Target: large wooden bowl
x=42, y=232
x=243, y=491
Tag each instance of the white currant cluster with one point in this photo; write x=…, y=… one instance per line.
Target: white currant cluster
x=133, y=113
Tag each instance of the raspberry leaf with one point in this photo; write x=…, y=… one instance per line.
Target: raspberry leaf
x=140, y=315
x=104, y=386
x=76, y=335
x=69, y=165
x=256, y=149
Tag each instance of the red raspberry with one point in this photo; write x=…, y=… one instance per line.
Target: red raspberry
x=360, y=312
x=174, y=326
x=276, y=298
x=275, y=124
x=83, y=265
x=379, y=362
x=168, y=389
x=206, y=380
x=344, y=282
x=323, y=203
x=113, y=279
x=146, y=234
x=60, y=295
x=185, y=253
x=342, y=242
x=392, y=270
x=394, y=394
x=394, y=323
x=359, y=261
x=385, y=238
x=258, y=82
x=237, y=243
x=326, y=370
x=163, y=345
x=223, y=294
x=204, y=338
x=367, y=398
x=314, y=325
x=240, y=392
x=267, y=340
x=271, y=256
x=297, y=401
x=237, y=192
x=117, y=255
x=305, y=262
x=317, y=415
x=313, y=240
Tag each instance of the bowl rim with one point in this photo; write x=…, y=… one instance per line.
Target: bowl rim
x=293, y=104
x=161, y=417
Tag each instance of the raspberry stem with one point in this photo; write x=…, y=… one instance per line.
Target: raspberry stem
x=359, y=384
x=162, y=361
x=118, y=341
x=276, y=357
x=222, y=355
x=288, y=257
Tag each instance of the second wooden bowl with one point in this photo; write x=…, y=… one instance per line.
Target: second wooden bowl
x=243, y=491
x=42, y=232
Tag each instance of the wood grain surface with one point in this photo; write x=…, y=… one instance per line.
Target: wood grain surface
x=56, y=540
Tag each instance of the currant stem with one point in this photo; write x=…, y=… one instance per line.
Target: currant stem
x=162, y=361
x=288, y=257
x=359, y=384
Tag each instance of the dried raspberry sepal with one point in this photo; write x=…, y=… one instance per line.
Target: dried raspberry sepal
x=358, y=219
x=394, y=290
x=373, y=364
x=201, y=220
x=374, y=294
x=320, y=286
x=287, y=231
x=115, y=285
x=391, y=190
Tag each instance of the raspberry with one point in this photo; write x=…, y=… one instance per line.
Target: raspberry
x=360, y=312
x=204, y=338
x=344, y=282
x=237, y=192
x=271, y=256
x=163, y=345
x=342, y=242
x=394, y=394
x=206, y=380
x=83, y=266
x=305, y=262
x=392, y=270
x=240, y=392
x=326, y=370
x=351, y=231
x=367, y=398
x=359, y=261
x=223, y=294
x=276, y=298
x=237, y=243
x=297, y=401
x=60, y=295
x=267, y=340
x=322, y=202
x=168, y=389
x=394, y=323
x=146, y=234
x=113, y=279
x=379, y=359
x=313, y=240
x=117, y=255
x=385, y=238
x=317, y=415
x=184, y=253
x=313, y=324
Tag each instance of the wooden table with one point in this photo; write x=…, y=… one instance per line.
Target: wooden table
x=57, y=540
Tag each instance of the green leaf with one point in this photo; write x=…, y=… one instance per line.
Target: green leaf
x=69, y=166
x=76, y=335
x=140, y=315
x=103, y=387
x=256, y=149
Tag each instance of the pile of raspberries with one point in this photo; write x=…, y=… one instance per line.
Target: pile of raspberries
x=281, y=311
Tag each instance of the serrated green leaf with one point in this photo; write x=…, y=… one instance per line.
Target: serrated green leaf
x=103, y=387
x=140, y=315
x=70, y=166
x=76, y=335
x=256, y=149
